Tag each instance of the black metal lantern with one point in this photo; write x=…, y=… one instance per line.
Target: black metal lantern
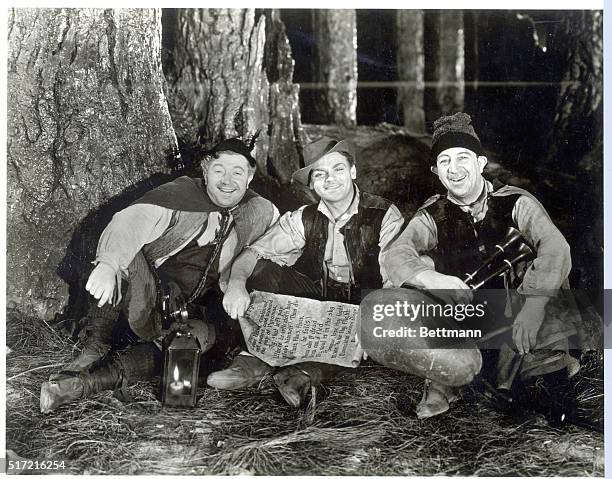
x=181, y=368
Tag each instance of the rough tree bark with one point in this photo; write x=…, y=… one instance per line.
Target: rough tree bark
x=335, y=65
x=87, y=118
x=449, y=60
x=576, y=146
x=285, y=126
x=411, y=68
x=216, y=85
x=246, y=87
x=578, y=127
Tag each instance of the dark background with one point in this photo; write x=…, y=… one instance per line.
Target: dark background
x=514, y=65
x=522, y=80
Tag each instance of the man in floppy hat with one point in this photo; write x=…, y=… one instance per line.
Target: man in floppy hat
x=460, y=229
x=330, y=250
x=182, y=236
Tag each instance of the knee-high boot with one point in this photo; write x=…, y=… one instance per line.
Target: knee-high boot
x=96, y=336
x=137, y=363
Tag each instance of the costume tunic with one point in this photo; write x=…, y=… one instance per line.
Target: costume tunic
x=160, y=225
x=285, y=242
x=547, y=273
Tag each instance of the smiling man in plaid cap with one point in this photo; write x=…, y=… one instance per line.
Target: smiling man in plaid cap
x=459, y=230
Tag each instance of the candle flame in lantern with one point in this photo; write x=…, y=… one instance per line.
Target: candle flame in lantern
x=176, y=373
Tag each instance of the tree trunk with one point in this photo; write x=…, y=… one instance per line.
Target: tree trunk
x=87, y=118
x=230, y=74
x=471, y=21
x=411, y=68
x=449, y=59
x=577, y=141
x=216, y=86
x=285, y=127
x=578, y=128
x=335, y=65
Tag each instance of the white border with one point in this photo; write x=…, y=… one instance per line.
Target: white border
x=379, y=4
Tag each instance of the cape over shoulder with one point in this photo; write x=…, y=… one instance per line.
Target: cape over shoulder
x=499, y=189
x=507, y=190
x=185, y=194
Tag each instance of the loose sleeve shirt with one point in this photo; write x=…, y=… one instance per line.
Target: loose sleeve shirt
x=285, y=241
x=405, y=257
x=140, y=224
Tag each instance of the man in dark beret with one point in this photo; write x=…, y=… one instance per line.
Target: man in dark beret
x=459, y=230
x=183, y=236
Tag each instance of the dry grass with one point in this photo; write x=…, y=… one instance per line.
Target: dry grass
x=362, y=424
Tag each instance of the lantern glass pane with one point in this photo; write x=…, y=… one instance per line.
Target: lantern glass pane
x=181, y=372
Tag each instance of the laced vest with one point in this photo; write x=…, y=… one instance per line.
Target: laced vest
x=361, y=237
x=463, y=245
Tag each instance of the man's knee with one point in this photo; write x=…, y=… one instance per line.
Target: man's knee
x=450, y=367
x=458, y=367
x=274, y=278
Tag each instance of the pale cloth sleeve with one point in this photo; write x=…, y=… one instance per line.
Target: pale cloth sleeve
x=402, y=258
x=553, y=262
x=229, y=253
x=129, y=230
x=390, y=227
x=275, y=215
x=284, y=242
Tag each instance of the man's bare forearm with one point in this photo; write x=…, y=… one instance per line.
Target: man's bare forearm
x=243, y=267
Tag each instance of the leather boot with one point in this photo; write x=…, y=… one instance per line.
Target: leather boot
x=61, y=389
x=139, y=362
x=97, y=334
x=294, y=382
x=66, y=388
x=136, y=363
x=244, y=371
x=436, y=399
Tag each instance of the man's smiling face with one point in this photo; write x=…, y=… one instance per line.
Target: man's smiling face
x=460, y=171
x=227, y=178
x=332, y=177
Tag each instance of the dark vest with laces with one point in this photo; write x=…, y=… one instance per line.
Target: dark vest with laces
x=361, y=237
x=191, y=208
x=463, y=245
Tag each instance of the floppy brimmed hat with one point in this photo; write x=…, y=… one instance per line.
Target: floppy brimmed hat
x=316, y=150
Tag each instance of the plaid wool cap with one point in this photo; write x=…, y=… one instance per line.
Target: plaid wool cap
x=454, y=131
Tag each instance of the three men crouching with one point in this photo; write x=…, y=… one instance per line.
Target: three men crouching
x=350, y=242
